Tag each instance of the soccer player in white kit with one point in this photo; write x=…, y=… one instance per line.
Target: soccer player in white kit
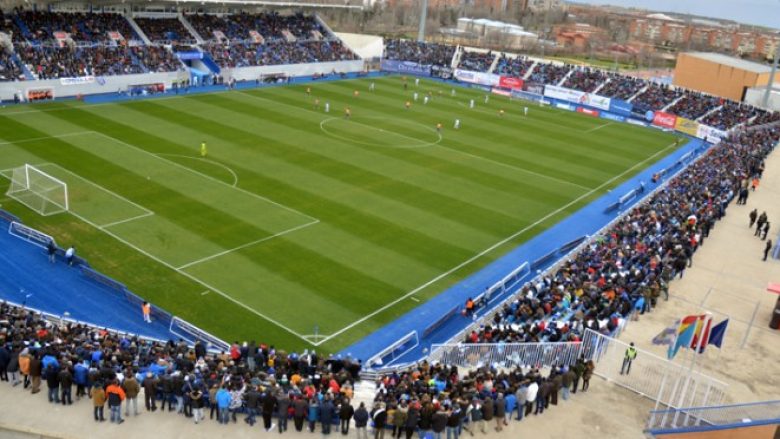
x=487, y=98
x=525, y=111
x=457, y=124
x=371, y=87
x=327, y=107
x=471, y=103
x=425, y=100
x=415, y=96
x=416, y=82
x=452, y=92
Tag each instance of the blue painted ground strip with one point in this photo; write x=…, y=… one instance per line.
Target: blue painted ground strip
x=57, y=289
x=586, y=221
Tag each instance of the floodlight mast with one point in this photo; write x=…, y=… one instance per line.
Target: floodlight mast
x=423, y=18
x=769, y=86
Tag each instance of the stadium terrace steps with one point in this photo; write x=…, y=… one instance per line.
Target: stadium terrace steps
x=493, y=65
x=705, y=115
x=602, y=85
x=187, y=25
x=209, y=62
x=530, y=71
x=674, y=102
x=642, y=90
x=565, y=77
x=27, y=73
x=456, y=57
x=138, y=30
x=364, y=391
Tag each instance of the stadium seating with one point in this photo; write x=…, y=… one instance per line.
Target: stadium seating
x=549, y=73
x=422, y=53
x=278, y=52
x=516, y=67
x=9, y=71
x=656, y=97
x=8, y=26
x=730, y=115
x=695, y=105
x=476, y=61
x=585, y=79
x=622, y=87
x=165, y=30
x=82, y=28
x=271, y=26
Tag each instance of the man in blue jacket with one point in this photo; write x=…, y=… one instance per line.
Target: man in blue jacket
x=223, y=404
x=80, y=377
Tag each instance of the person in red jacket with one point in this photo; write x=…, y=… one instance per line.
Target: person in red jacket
x=115, y=396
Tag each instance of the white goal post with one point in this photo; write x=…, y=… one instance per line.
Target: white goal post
x=38, y=190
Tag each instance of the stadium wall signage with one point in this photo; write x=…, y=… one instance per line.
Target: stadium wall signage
x=192, y=54
x=510, y=82
x=77, y=81
x=620, y=106
x=579, y=97
x=408, y=67
x=612, y=116
x=686, y=126
x=664, y=120
x=710, y=134
x=588, y=111
x=481, y=78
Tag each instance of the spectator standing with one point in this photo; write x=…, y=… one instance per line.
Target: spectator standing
x=379, y=416
x=753, y=215
x=345, y=414
x=327, y=412
x=500, y=407
x=587, y=375
x=52, y=382
x=767, y=249
x=146, y=309
x=51, y=251
x=269, y=405
x=98, y=396
x=70, y=254
x=115, y=396
x=300, y=410
x=197, y=404
x=283, y=408
x=150, y=391
x=36, y=369
x=438, y=423
x=66, y=384
x=628, y=358
x=361, y=421
x=132, y=389
x=223, y=404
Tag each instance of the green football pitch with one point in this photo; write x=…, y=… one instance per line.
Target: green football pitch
x=302, y=227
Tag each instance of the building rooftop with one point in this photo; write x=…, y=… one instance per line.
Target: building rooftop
x=732, y=62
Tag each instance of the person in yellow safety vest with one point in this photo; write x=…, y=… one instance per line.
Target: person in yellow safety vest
x=203, y=151
x=627, y=359
x=147, y=310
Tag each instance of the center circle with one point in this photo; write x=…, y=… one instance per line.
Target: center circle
x=411, y=141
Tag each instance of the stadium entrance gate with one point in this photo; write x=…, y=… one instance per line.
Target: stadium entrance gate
x=667, y=383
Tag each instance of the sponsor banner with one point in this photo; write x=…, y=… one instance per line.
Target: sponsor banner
x=686, y=126
x=588, y=111
x=41, y=94
x=533, y=87
x=481, y=87
x=510, y=82
x=636, y=122
x=441, y=72
x=477, y=77
x=664, y=120
x=710, y=134
x=115, y=36
x=501, y=91
x=409, y=67
x=612, y=116
x=578, y=97
x=563, y=106
x=219, y=35
x=192, y=54
x=525, y=95
x=619, y=106
x=77, y=81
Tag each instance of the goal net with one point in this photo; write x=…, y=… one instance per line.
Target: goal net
x=38, y=190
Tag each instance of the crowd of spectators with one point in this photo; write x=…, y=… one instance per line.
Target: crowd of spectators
x=765, y=117
x=585, y=79
x=694, y=105
x=165, y=30
x=250, y=379
x=476, y=61
x=730, y=115
x=430, y=399
x=82, y=27
x=270, y=25
x=8, y=26
x=278, y=52
x=548, y=73
x=516, y=67
x=9, y=71
x=656, y=97
x=419, y=52
x=627, y=268
x=54, y=62
x=622, y=87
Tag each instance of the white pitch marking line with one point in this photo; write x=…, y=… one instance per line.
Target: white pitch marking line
x=517, y=168
x=204, y=293
x=491, y=248
x=213, y=162
x=35, y=139
x=127, y=220
x=249, y=244
x=598, y=127
x=414, y=298
x=189, y=276
x=208, y=177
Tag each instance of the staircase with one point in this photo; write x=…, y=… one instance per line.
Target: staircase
x=23, y=27
x=596, y=91
x=28, y=75
x=569, y=73
x=364, y=391
x=209, y=62
x=672, y=103
x=189, y=27
x=642, y=90
x=456, y=57
x=709, y=112
x=138, y=30
x=530, y=71
x=135, y=61
x=494, y=63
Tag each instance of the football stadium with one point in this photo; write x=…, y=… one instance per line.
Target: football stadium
x=238, y=212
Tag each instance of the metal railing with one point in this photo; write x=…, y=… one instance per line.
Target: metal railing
x=506, y=355
x=725, y=415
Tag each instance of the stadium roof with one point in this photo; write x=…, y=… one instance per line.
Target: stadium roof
x=731, y=61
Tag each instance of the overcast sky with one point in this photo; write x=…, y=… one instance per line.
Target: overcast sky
x=758, y=12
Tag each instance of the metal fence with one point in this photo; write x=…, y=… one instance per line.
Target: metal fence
x=669, y=384
x=737, y=414
x=505, y=355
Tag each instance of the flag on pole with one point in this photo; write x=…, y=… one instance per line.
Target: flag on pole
x=684, y=335
x=717, y=332
x=702, y=331
x=666, y=337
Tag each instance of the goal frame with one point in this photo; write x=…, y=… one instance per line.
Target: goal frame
x=12, y=191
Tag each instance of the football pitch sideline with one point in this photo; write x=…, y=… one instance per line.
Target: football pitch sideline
x=302, y=227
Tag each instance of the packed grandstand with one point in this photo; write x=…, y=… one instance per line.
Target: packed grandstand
x=627, y=268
